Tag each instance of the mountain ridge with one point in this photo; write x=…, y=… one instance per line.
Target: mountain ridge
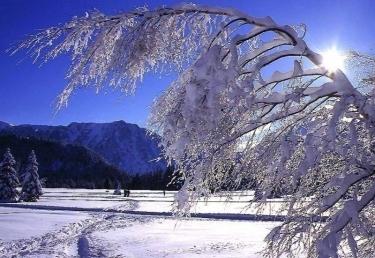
x=124, y=145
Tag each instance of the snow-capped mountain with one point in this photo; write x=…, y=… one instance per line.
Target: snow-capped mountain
x=4, y=125
x=124, y=145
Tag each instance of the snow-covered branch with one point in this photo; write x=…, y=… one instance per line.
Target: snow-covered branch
x=306, y=133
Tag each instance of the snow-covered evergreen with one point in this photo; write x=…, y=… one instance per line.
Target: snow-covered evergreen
x=31, y=186
x=118, y=189
x=8, y=179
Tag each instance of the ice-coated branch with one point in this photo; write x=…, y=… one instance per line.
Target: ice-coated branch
x=304, y=134
x=328, y=246
x=119, y=49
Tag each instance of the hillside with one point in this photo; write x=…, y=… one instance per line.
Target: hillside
x=64, y=165
x=121, y=144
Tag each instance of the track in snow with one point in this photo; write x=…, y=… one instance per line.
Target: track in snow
x=73, y=236
x=76, y=236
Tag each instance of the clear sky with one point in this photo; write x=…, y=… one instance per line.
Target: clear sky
x=27, y=91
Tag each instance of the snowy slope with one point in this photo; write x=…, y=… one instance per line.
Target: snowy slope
x=124, y=145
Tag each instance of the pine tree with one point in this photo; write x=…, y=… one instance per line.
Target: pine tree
x=118, y=189
x=8, y=179
x=31, y=186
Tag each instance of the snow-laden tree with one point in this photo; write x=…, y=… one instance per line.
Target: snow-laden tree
x=31, y=186
x=8, y=179
x=307, y=129
x=117, y=191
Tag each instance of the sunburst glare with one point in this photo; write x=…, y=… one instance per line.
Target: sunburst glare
x=333, y=60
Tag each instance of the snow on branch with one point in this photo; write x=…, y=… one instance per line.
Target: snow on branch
x=306, y=134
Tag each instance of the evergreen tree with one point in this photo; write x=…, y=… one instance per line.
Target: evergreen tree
x=31, y=186
x=118, y=189
x=8, y=179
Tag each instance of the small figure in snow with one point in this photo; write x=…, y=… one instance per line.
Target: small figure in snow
x=126, y=192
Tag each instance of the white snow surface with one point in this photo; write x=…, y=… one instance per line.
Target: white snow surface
x=53, y=227
x=188, y=238
x=21, y=223
x=153, y=201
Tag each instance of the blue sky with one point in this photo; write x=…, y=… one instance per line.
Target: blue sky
x=28, y=92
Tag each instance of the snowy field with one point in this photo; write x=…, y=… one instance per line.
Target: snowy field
x=149, y=201
x=95, y=223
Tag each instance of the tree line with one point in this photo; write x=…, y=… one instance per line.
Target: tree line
x=73, y=166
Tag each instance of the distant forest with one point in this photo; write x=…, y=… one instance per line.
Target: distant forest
x=73, y=166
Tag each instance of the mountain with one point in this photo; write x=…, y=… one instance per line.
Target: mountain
x=4, y=125
x=64, y=165
x=121, y=144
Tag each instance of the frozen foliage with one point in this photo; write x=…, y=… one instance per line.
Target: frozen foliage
x=8, y=179
x=31, y=186
x=307, y=132
x=118, y=50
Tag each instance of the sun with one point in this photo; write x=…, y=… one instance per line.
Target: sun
x=333, y=60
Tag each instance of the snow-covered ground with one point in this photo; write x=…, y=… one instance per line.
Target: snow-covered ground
x=88, y=223
x=187, y=238
x=17, y=223
x=155, y=201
